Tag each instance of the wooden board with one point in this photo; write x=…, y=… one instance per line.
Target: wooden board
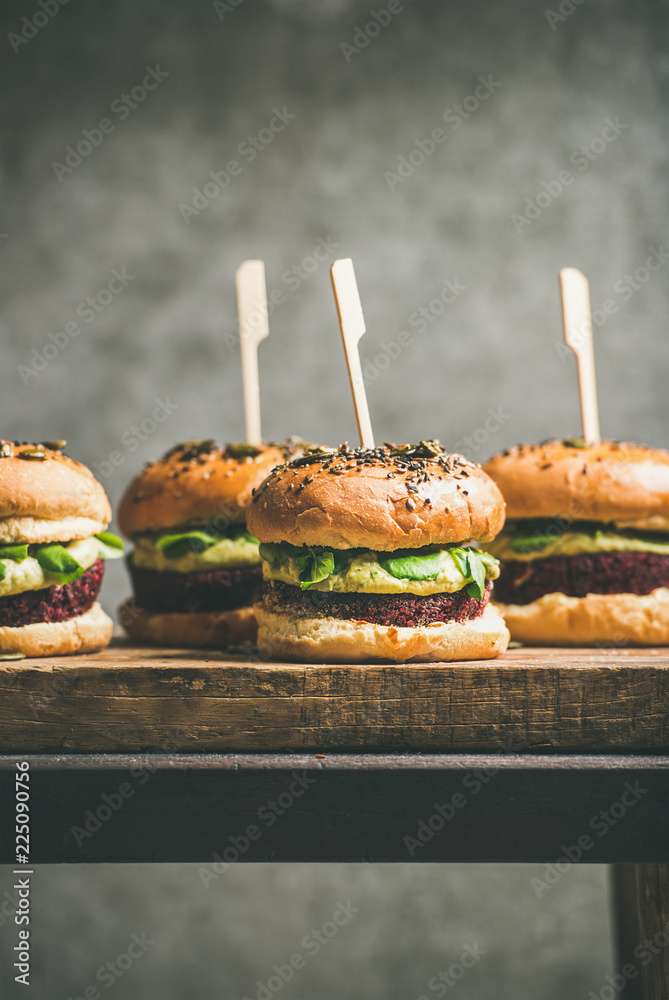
x=92, y=808
x=134, y=700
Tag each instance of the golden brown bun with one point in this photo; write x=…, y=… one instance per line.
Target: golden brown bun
x=53, y=499
x=193, y=483
x=332, y=640
x=195, y=630
x=626, y=484
x=85, y=634
x=608, y=620
x=345, y=499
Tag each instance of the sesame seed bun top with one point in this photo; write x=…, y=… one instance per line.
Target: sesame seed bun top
x=384, y=498
x=198, y=482
x=624, y=484
x=45, y=496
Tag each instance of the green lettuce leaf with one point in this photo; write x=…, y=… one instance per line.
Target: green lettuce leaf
x=241, y=531
x=17, y=553
x=477, y=569
x=174, y=546
x=472, y=565
x=315, y=566
x=537, y=533
x=314, y=563
x=3, y=572
x=276, y=553
x=412, y=566
x=531, y=543
x=58, y=564
x=461, y=559
x=110, y=546
x=182, y=543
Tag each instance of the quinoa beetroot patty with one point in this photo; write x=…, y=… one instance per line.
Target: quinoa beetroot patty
x=164, y=591
x=576, y=576
x=53, y=604
x=400, y=610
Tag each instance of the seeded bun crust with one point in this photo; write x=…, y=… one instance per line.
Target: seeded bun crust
x=85, y=634
x=608, y=620
x=625, y=484
x=47, y=497
x=382, y=499
x=195, y=482
x=195, y=630
x=332, y=640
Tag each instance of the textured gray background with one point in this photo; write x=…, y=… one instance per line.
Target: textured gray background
x=169, y=336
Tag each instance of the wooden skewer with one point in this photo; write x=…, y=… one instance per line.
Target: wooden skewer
x=352, y=323
x=253, y=327
x=578, y=335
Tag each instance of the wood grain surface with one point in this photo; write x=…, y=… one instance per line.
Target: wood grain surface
x=535, y=700
x=653, y=883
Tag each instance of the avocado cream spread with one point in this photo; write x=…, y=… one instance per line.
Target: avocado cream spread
x=524, y=541
x=24, y=571
x=195, y=552
x=418, y=571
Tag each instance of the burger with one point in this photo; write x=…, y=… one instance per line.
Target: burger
x=53, y=546
x=195, y=566
x=585, y=550
x=368, y=554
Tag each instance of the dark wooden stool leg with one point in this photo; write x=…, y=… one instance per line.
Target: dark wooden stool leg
x=626, y=929
x=653, y=952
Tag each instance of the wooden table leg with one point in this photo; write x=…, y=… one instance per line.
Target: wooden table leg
x=626, y=930
x=652, y=955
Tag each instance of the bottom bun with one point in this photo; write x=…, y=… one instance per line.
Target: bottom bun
x=333, y=640
x=193, y=630
x=597, y=619
x=84, y=634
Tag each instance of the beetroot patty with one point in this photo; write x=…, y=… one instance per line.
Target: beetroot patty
x=53, y=604
x=401, y=610
x=576, y=576
x=164, y=591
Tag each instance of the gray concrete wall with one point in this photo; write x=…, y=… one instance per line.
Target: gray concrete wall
x=331, y=176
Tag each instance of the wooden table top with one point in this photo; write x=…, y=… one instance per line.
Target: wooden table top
x=136, y=700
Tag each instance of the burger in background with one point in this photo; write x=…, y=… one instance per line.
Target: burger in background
x=367, y=555
x=195, y=566
x=53, y=546
x=585, y=550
